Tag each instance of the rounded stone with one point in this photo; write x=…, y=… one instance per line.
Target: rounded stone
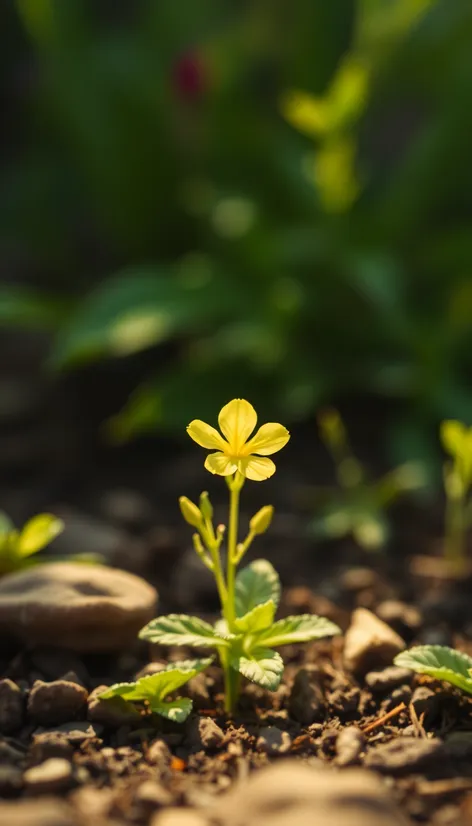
x=77, y=606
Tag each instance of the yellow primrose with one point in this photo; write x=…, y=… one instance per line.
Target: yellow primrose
x=235, y=450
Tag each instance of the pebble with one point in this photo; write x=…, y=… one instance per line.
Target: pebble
x=81, y=607
x=402, y=617
x=273, y=740
x=51, y=704
x=179, y=817
x=405, y=755
x=37, y=813
x=112, y=713
x=151, y=795
x=159, y=754
x=49, y=744
x=306, y=703
x=53, y=775
x=350, y=744
x=369, y=642
x=388, y=679
x=11, y=707
x=11, y=781
x=204, y=733
x=289, y=794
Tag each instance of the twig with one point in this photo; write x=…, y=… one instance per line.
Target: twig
x=417, y=721
x=384, y=719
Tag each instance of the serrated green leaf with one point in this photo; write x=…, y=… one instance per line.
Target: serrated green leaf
x=439, y=662
x=38, y=532
x=256, y=620
x=256, y=584
x=302, y=628
x=154, y=688
x=176, y=710
x=179, y=629
x=263, y=666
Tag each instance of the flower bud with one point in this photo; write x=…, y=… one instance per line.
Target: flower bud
x=190, y=512
x=206, y=506
x=261, y=520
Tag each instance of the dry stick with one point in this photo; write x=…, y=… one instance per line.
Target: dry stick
x=384, y=719
x=417, y=721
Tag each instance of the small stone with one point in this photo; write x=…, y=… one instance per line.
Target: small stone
x=93, y=804
x=78, y=732
x=405, y=755
x=358, y=579
x=49, y=744
x=349, y=745
x=288, y=793
x=273, y=740
x=112, y=713
x=37, y=813
x=204, y=733
x=306, y=703
x=151, y=795
x=159, y=754
x=11, y=707
x=179, y=817
x=369, y=642
x=58, y=702
x=388, y=679
x=82, y=607
x=53, y=775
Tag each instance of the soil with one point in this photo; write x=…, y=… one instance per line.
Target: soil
x=415, y=733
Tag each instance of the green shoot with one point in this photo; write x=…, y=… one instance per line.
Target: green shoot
x=439, y=662
x=17, y=548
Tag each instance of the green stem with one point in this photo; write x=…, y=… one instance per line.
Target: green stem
x=235, y=486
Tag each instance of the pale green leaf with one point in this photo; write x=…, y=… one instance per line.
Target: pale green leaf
x=179, y=629
x=156, y=687
x=453, y=434
x=38, y=532
x=256, y=620
x=302, y=628
x=175, y=710
x=256, y=584
x=439, y=662
x=263, y=666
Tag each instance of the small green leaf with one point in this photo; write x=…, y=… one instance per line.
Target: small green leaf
x=179, y=629
x=256, y=584
x=38, y=532
x=302, y=628
x=439, y=662
x=256, y=620
x=175, y=710
x=453, y=435
x=154, y=689
x=263, y=666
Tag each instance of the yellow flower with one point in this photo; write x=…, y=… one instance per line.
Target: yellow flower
x=236, y=452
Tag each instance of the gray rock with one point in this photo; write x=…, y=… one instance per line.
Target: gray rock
x=388, y=679
x=53, y=775
x=273, y=740
x=159, y=754
x=81, y=607
x=290, y=794
x=350, y=744
x=151, y=796
x=369, y=642
x=405, y=755
x=11, y=707
x=51, y=704
x=306, y=702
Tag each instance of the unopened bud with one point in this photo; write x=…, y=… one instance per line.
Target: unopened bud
x=261, y=520
x=190, y=512
x=206, y=506
x=220, y=531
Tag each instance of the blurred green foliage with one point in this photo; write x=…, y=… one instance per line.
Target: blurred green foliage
x=282, y=190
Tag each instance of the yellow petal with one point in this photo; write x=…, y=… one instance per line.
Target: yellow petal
x=256, y=468
x=205, y=436
x=220, y=464
x=237, y=420
x=269, y=439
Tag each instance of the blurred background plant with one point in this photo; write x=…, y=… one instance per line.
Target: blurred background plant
x=357, y=507
x=271, y=199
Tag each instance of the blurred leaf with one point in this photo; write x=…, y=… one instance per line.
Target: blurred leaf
x=30, y=308
x=38, y=532
x=139, y=308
